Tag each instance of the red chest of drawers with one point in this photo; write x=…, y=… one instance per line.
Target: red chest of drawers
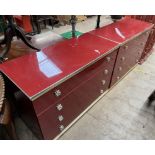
x=70, y=104
x=53, y=87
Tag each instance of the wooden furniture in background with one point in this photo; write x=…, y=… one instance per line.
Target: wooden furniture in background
x=24, y=21
x=38, y=20
x=65, y=19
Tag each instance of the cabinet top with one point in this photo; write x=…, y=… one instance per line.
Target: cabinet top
x=122, y=30
x=38, y=72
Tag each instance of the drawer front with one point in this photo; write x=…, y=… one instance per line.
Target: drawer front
x=49, y=124
x=128, y=56
x=149, y=44
x=73, y=83
x=122, y=63
x=61, y=114
x=140, y=43
x=56, y=118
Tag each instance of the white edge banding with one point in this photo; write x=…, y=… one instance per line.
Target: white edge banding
x=37, y=95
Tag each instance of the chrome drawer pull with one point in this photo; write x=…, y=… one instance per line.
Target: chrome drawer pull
x=120, y=68
x=57, y=93
x=60, y=118
x=105, y=71
x=61, y=127
x=101, y=91
x=103, y=82
x=108, y=59
x=59, y=107
x=118, y=77
x=123, y=58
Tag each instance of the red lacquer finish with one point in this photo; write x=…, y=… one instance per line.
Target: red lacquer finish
x=122, y=30
x=35, y=72
x=77, y=94
x=49, y=99
x=74, y=103
x=128, y=56
x=67, y=77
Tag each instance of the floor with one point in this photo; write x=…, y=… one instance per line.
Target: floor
x=122, y=112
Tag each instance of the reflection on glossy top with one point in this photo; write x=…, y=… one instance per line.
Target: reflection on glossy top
x=45, y=65
x=122, y=30
x=38, y=71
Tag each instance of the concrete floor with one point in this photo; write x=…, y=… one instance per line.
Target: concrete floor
x=121, y=113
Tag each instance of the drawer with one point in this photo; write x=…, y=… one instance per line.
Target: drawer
x=56, y=118
x=49, y=124
x=73, y=83
x=62, y=113
x=126, y=59
x=93, y=89
x=140, y=41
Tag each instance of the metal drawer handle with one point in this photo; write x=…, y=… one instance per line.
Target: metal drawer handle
x=57, y=93
x=61, y=127
x=103, y=82
x=118, y=77
x=105, y=71
x=59, y=107
x=147, y=32
x=60, y=118
x=101, y=91
x=120, y=68
x=123, y=58
x=108, y=59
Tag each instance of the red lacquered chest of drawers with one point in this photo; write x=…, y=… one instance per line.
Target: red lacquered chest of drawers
x=53, y=87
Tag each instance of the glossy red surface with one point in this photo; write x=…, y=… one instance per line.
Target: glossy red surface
x=49, y=99
x=128, y=56
x=35, y=72
x=77, y=94
x=122, y=30
x=73, y=104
